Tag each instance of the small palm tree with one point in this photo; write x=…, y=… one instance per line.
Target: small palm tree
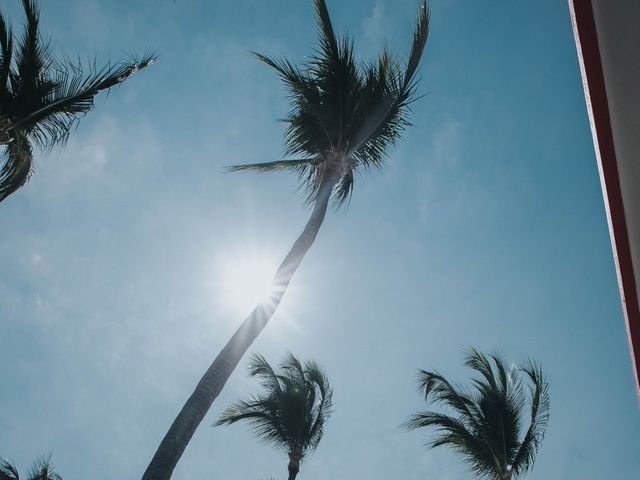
x=291, y=413
x=41, y=469
x=486, y=425
x=42, y=97
x=344, y=118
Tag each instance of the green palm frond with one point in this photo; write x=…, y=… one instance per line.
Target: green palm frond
x=387, y=97
x=539, y=398
x=316, y=376
x=297, y=164
x=6, y=49
x=328, y=41
x=293, y=408
x=73, y=96
x=43, y=469
x=486, y=426
x=32, y=58
x=343, y=114
x=8, y=471
x=42, y=97
x=16, y=166
x=453, y=432
x=420, y=35
x=437, y=388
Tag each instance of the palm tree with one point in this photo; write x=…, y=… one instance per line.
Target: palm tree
x=486, y=425
x=43, y=97
x=344, y=118
x=41, y=469
x=291, y=414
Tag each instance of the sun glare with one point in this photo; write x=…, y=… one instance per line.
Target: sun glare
x=245, y=281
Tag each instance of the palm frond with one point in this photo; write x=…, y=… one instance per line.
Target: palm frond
x=438, y=389
x=297, y=164
x=420, y=35
x=298, y=82
x=480, y=363
x=43, y=469
x=540, y=405
x=16, y=167
x=328, y=40
x=309, y=123
x=385, y=114
x=293, y=366
x=292, y=410
x=8, y=471
x=241, y=410
x=344, y=190
x=344, y=115
x=450, y=431
x=325, y=405
x=486, y=427
x=259, y=367
x=42, y=98
x=261, y=412
x=32, y=55
x=30, y=83
x=6, y=50
x=74, y=94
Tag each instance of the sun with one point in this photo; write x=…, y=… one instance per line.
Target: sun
x=245, y=280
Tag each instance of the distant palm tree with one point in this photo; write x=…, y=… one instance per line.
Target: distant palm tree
x=486, y=425
x=344, y=118
x=42, y=97
x=291, y=413
x=41, y=469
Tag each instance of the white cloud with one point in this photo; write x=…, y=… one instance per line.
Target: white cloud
x=443, y=155
x=446, y=141
x=373, y=24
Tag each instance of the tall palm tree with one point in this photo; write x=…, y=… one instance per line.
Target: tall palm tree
x=291, y=413
x=344, y=118
x=42, y=97
x=41, y=469
x=485, y=427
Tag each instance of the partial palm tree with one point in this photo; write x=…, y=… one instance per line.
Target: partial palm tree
x=486, y=422
x=344, y=118
x=41, y=469
x=43, y=97
x=291, y=412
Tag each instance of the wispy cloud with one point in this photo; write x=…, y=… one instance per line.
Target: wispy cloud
x=443, y=155
x=373, y=26
x=446, y=143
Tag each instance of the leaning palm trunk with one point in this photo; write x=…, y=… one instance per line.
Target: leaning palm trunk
x=344, y=118
x=214, y=379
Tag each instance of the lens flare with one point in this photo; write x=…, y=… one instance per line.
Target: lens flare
x=246, y=281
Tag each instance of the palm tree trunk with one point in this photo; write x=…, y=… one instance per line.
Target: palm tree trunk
x=212, y=382
x=294, y=463
x=294, y=466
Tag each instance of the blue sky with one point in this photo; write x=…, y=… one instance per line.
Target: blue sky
x=486, y=227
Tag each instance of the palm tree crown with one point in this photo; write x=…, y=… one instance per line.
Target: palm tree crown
x=42, y=97
x=292, y=411
x=344, y=115
x=487, y=423
x=41, y=469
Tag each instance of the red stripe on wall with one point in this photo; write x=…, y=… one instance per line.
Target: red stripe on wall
x=584, y=29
